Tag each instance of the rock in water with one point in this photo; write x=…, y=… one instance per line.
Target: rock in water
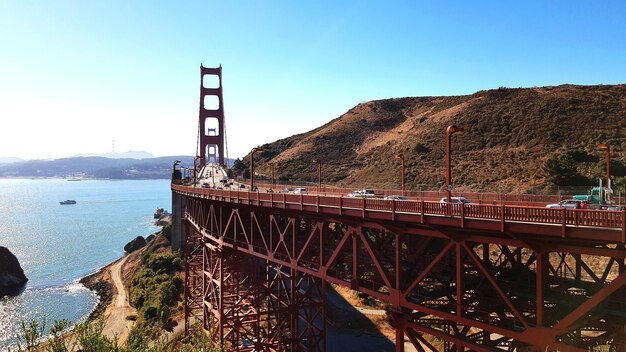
x=135, y=244
x=11, y=273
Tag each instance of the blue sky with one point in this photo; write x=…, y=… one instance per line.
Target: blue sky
x=74, y=75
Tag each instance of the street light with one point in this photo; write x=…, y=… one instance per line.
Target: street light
x=319, y=174
x=401, y=157
x=273, y=181
x=451, y=130
x=607, y=149
x=254, y=150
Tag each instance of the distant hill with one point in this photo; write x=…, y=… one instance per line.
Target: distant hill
x=509, y=136
x=97, y=167
x=125, y=155
x=10, y=160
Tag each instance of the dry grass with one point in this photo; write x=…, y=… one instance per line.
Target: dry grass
x=509, y=134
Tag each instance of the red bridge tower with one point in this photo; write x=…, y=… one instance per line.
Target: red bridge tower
x=211, y=128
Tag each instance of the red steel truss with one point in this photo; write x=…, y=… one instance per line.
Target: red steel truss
x=449, y=288
x=248, y=303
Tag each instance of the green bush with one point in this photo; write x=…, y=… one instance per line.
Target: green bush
x=168, y=294
x=155, y=290
x=178, y=283
x=149, y=312
x=89, y=337
x=167, y=231
x=162, y=262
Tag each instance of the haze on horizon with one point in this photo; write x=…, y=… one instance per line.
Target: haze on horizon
x=75, y=75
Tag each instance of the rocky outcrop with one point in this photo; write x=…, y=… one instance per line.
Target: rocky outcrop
x=137, y=243
x=164, y=220
x=11, y=273
x=160, y=213
x=103, y=288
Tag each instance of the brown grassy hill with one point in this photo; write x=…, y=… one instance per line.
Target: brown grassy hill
x=510, y=133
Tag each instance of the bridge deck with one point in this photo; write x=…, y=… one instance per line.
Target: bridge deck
x=581, y=224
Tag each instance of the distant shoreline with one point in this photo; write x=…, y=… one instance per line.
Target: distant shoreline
x=82, y=179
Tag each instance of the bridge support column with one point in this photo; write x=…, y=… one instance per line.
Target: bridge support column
x=178, y=212
x=194, y=280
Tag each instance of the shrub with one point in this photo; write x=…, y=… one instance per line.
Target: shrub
x=149, y=312
x=163, y=262
x=168, y=294
x=167, y=231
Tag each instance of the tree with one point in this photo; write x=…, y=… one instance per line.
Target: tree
x=562, y=170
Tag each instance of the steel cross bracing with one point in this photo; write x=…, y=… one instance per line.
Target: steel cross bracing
x=251, y=304
x=473, y=290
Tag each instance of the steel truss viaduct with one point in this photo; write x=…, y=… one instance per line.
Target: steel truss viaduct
x=257, y=271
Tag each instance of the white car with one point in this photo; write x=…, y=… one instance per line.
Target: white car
x=455, y=200
x=362, y=193
x=393, y=197
x=300, y=191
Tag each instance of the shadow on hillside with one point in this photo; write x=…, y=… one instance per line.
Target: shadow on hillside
x=350, y=330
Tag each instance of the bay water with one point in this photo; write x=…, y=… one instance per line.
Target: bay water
x=57, y=244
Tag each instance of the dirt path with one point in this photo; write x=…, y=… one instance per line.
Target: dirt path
x=116, y=323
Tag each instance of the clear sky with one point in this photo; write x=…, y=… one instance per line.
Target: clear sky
x=74, y=75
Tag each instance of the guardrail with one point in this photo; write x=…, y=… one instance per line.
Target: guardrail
x=564, y=217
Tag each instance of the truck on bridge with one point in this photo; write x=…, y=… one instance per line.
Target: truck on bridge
x=600, y=198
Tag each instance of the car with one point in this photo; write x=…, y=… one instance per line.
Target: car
x=362, y=193
x=455, y=200
x=287, y=190
x=300, y=191
x=569, y=204
x=393, y=197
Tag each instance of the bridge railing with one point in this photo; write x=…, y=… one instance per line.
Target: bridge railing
x=569, y=217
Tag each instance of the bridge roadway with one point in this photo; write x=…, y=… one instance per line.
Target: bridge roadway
x=574, y=234
x=593, y=226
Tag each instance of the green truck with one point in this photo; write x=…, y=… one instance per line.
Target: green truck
x=600, y=198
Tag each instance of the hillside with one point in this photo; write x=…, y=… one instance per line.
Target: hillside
x=509, y=135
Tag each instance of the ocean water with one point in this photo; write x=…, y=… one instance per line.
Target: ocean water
x=57, y=244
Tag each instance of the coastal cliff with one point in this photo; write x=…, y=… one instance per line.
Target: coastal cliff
x=11, y=273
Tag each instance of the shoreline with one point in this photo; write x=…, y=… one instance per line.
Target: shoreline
x=100, y=283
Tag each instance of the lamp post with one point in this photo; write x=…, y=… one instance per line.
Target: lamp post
x=319, y=174
x=451, y=130
x=607, y=149
x=254, y=150
x=273, y=181
x=401, y=157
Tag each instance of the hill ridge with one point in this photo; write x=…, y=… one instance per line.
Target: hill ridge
x=510, y=134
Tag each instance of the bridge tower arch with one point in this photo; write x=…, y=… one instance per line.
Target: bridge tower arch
x=211, y=127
